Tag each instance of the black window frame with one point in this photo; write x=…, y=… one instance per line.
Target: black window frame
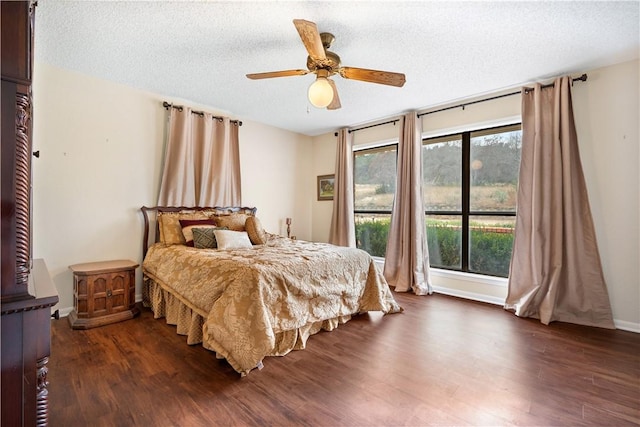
x=466, y=211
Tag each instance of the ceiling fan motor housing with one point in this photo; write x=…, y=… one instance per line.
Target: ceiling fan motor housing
x=331, y=63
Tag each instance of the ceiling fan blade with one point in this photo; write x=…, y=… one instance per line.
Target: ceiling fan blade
x=271, y=74
x=373, y=76
x=335, y=102
x=311, y=38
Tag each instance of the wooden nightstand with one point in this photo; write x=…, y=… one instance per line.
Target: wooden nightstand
x=103, y=292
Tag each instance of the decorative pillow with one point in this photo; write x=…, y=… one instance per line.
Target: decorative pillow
x=205, y=238
x=228, y=239
x=234, y=221
x=170, y=228
x=255, y=231
x=188, y=225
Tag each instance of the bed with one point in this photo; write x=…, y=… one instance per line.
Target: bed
x=248, y=301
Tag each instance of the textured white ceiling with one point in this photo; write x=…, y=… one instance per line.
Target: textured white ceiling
x=201, y=51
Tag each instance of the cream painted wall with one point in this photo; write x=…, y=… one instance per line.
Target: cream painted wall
x=100, y=149
x=606, y=113
x=275, y=166
x=606, y=110
x=324, y=163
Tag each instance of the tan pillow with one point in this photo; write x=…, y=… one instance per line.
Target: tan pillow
x=170, y=228
x=234, y=222
x=255, y=231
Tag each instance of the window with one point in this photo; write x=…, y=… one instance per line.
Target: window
x=470, y=181
x=374, y=189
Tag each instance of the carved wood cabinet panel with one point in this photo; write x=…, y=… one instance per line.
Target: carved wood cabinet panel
x=27, y=292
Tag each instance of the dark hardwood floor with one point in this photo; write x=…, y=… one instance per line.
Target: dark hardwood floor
x=444, y=361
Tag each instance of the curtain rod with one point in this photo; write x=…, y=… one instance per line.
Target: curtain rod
x=582, y=78
x=370, y=126
x=166, y=106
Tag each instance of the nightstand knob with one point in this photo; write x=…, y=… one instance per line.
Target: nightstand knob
x=109, y=293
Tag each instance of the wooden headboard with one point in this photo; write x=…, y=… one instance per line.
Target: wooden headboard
x=156, y=209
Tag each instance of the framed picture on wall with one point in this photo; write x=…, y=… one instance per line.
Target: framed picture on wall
x=325, y=187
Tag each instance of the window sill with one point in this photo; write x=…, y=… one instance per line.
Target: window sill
x=470, y=277
x=459, y=275
x=476, y=287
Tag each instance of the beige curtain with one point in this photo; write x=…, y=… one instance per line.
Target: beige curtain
x=406, y=263
x=343, y=230
x=555, y=267
x=202, y=161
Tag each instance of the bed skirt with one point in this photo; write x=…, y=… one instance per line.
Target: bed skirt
x=190, y=321
x=164, y=304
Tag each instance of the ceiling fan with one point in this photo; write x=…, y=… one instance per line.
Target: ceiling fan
x=324, y=64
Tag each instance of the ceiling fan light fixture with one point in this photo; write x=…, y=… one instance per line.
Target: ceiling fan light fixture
x=323, y=92
x=320, y=93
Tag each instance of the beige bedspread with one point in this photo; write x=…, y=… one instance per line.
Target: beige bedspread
x=268, y=299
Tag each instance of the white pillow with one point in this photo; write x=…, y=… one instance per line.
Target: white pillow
x=228, y=239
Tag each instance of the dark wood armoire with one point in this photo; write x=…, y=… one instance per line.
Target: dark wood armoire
x=27, y=292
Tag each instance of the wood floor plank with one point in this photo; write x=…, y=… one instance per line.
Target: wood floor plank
x=442, y=362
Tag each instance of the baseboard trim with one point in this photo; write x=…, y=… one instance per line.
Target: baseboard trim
x=623, y=325
x=627, y=326
x=64, y=312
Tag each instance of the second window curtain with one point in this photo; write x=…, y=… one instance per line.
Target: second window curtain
x=556, y=274
x=342, y=232
x=202, y=161
x=406, y=264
